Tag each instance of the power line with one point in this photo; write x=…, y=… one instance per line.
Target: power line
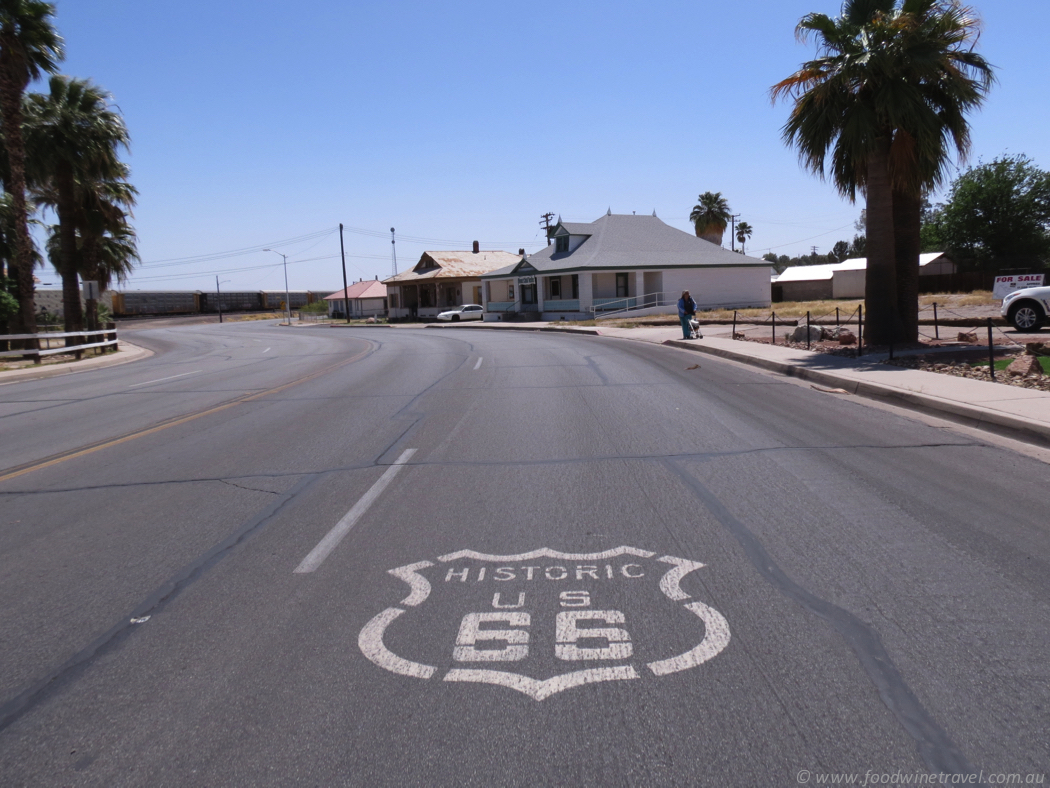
x=209, y=257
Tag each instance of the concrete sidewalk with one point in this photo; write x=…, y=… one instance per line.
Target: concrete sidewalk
x=1004, y=409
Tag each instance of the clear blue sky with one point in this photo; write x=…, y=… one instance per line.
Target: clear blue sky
x=257, y=122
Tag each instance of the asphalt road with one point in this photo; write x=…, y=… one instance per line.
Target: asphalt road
x=318, y=556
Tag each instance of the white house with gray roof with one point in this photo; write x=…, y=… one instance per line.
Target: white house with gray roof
x=621, y=262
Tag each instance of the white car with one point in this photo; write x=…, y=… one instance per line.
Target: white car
x=1027, y=309
x=465, y=312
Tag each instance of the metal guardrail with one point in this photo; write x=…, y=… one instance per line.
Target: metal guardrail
x=44, y=348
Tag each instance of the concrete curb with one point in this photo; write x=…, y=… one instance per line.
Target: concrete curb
x=589, y=332
x=133, y=353
x=967, y=415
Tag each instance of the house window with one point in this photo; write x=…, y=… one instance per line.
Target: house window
x=621, y=285
x=561, y=243
x=510, y=292
x=556, y=287
x=575, y=285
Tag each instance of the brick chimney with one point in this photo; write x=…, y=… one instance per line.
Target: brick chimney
x=521, y=252
x=477, y=248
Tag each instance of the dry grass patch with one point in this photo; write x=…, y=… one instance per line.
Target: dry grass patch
x=976, y=298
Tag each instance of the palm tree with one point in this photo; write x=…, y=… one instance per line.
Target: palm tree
x=108, y=245
x=880, y=99
x=29, y=45
x=743, y=232
x=934, y=53
x=710, y=217
x=73, y=137
x=838, y=109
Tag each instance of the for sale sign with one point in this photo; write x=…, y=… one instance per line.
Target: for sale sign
x=1004, y=285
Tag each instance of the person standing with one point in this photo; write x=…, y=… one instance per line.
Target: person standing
x=686, y=310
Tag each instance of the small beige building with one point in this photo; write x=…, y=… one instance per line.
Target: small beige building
x=366, y=298
x=441, y=280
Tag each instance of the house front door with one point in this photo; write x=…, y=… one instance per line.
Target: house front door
x=528, y=295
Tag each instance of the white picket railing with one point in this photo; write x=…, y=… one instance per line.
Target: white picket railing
x=44, y=339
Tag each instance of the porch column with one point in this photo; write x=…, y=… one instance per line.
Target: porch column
x=639, y=286
x=586, y=291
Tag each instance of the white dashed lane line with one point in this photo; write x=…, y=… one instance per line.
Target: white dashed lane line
x=161, y=380
x=478, y=365
x=342, y=528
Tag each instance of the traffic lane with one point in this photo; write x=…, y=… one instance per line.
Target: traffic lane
x=345, y=416
x=66, y=415
x=114, y=526
x=507, y=513
x=76, y=564
x=553, y=476
x=296, y=683
x=857, y=447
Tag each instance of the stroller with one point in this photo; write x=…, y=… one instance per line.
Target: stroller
x=694, y=329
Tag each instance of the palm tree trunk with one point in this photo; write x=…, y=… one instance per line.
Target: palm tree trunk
x=89, y=260
x=67, y=237
x=882, y=323
x=907, y=224
x=21, y=267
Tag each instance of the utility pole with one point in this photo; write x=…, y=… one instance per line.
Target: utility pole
x=346, y=294
x=393, y=250
x=545, y=220
x=732, y=233
x=814, y=248
x=218, y=298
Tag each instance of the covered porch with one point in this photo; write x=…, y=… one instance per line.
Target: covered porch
x=573, y=296
x=429, y=299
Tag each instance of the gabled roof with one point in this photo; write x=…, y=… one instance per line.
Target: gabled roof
x=621, y=241
x=369, y=288
x=453, y=265
x=573, y=228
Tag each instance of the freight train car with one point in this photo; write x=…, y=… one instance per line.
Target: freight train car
x=191, y=302
x=232, y=302
x=274, y=299
x=139, y=302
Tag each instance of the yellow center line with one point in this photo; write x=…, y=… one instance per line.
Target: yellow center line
x=71, y=455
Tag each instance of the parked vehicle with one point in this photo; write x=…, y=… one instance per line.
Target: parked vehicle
x=1027, y=309
x=465, y=312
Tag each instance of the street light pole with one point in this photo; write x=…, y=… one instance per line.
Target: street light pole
x=218, y=296
x=287, y=293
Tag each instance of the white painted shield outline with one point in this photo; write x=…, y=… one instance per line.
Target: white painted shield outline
x=716, y=628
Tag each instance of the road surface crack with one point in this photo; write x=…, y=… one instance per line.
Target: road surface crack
x=250, y=489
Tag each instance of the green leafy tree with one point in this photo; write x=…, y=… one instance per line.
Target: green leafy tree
x=710, y=216
x=884, y=99
x=29, y=45
x=8, y=302
x=997, y=216
x=840, y=251
x=743, y=232
x=72, y=137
